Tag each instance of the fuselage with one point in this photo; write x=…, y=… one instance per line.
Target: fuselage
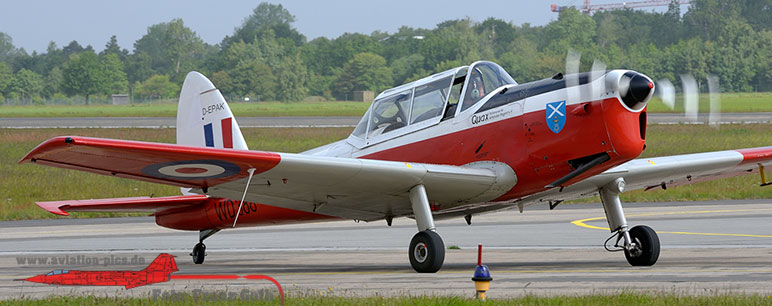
x=510, y=125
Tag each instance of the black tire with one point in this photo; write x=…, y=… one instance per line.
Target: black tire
x=426, y=252
x=199, y=252
x=647, y=246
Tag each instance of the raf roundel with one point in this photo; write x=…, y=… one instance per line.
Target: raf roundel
x=192, y=169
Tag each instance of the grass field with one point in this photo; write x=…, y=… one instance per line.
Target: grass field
x=21, y=185
x=662, y=140
x=737, y=102
x=627, y=299
x=730, y=103
x=241, y=109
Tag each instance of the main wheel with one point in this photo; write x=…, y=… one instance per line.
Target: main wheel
x=427, y=252
x=198, y=254
x=646, y=251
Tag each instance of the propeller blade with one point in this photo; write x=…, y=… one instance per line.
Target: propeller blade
x=714, y=118
x=598, y=69
x=624, y=86
x=691, y=97
x=572, y=77
x=666, y=92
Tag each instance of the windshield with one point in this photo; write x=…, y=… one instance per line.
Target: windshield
x=429, y=100
x=390, y=113
x=485, y=77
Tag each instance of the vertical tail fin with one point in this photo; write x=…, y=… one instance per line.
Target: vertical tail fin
x=204, y=118
x=163, y=263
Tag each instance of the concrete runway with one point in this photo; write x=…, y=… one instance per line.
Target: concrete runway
x=163, y=122
x=707, y=248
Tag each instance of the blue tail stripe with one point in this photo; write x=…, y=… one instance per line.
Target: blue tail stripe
x=209, y=135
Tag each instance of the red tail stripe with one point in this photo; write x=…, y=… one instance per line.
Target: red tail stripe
x=227, y=133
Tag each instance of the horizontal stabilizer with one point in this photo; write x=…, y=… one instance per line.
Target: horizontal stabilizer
x=135, y=204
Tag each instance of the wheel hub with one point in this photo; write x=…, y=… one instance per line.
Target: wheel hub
x=420, y=252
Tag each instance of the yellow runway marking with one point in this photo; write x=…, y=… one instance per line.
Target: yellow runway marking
x=583, y=224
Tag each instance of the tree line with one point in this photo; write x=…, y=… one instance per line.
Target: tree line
x=266, y=58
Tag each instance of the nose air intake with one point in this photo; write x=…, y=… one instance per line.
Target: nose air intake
x=638, y=91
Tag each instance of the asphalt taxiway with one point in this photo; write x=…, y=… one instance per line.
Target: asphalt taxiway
x=707, y=248
x=334, y=121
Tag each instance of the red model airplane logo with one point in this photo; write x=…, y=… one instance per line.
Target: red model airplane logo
x=157, y=272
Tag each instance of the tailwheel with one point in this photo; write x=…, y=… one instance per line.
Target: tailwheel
x=645, y=248
x=427, y=252
x=198, y=254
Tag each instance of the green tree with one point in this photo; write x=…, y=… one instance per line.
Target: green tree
x=289, y=74
x=266, y=17
x=735, y=56
x=319, y=85
x=454, y=40
x=404, y=43
x=252, y=79
x=366, y=71
x=317, y=56
x=291, y=77
x=223, y=81
x=6, y=78
x=763, y=79
x=609, y=30
x=497, y=32
x=112, y=47
x=687, y=57
x=7, y=49
x=139, y=67
x=53, y=82
x=171, y=47
x=706, y=18
x=573, y=29
x=27, y=84
x=115, y=78
x=72, y=48
x=404, y=67
x=157, y=87
x=757, y=13
x=84, y=75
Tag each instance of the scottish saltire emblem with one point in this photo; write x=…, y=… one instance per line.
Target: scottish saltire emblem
x=556, y=116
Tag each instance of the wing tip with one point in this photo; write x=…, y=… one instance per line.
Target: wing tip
x=756, y=155
x=46, y=146
x=53, y=207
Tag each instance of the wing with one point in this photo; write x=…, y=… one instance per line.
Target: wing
x=343, y=187
x=659, y=172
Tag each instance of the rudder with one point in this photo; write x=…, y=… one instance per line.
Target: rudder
x=163, y=263
x=204, y=118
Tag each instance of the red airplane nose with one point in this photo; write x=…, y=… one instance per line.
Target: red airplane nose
x=34, y=279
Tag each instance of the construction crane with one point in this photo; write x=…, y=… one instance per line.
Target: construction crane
x=589, y=8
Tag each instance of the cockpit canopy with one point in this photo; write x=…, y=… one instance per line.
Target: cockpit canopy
x=57, y=272
x=427, y=101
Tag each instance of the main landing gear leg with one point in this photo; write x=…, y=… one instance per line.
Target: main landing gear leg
x=427, y=251
x=199, y=251
x=641, y=244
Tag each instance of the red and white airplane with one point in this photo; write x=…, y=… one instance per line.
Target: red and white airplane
x=461, y=142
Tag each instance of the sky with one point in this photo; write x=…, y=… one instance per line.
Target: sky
x=34, y=23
